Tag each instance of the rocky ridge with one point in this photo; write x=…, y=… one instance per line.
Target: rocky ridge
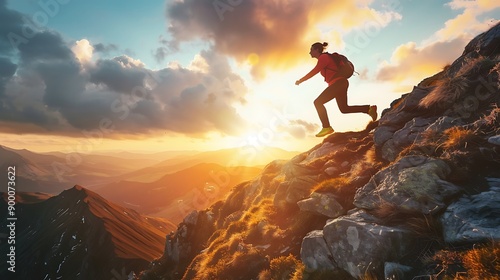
x=80, y=235
x=423, y=180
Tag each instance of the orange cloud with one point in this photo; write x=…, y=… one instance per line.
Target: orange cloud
x=278, y=33
x=409, y=61
x=467, y=21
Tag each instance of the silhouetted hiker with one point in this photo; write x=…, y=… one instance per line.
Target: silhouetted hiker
x=337, y=88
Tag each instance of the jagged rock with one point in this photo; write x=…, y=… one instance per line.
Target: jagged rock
x=443, y=123
x=232, y=218
x=189, y=239
x=405, y=137
x=396, y=271
x=290, y=192
x=494, y=140
x=474, y=218
x=409, y=133
x=485, y=44
x=396, y=119
x=323, y=204
x=191, y=218
x=405, y=108
x=315, y=253
x=292, y=170
x=412, y=184
x=359, y=244
x=325, y=149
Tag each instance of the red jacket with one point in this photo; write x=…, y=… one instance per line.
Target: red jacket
x=326, y=67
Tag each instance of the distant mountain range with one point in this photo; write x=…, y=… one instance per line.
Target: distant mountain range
x=243, y=156
x=56, y=171
x=80, y=235
x=176, y=194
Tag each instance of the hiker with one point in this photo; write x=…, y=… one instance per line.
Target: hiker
x=337, y=88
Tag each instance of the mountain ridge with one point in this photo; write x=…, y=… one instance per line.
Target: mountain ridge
x=196, y=185
x=416, y=194
x=68, y=234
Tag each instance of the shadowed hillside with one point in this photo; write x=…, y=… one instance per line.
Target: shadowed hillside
x=79, y=235
x=414, y=196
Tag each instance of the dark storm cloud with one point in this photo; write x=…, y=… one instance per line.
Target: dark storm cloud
x=102, y=48
x=118, y=74
x=7, y=70
x=45, y=45
x=45, y=88
x=10, y=23
x=271, y=29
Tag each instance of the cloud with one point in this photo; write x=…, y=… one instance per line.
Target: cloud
x=45, y=46
x=468, y=22
x=102, y=48
x=410, y=61
x=7, y=70
x=51, y=86
x=121, y=74
x=299, y=129
x=10, y=23
x=273, y=34
x=83, y=50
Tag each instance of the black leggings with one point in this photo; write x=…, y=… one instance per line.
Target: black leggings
x=337, y=90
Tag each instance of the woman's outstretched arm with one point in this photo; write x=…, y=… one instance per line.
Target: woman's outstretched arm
x=322, y=63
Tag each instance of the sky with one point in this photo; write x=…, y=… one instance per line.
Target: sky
x=159, y=75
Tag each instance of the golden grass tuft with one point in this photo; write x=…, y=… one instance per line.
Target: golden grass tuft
x=473, y=66
x=483, y=262
x=333, y=185
x=283, y=267
x=458, y=138
x=341, y=187
x=494, y=117
x=431, y=81
x=450, y=89
x=447, y=91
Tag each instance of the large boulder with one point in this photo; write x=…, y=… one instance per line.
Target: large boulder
x=474, y=218
x=359, y=244
x=314, y=252
x=290, y=192
x=414, y=184
x=323, y=204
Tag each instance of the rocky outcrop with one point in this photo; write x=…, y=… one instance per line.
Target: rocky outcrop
x=412, y=184
x=474, y=218
x=368, y=203
x=359, y=244
x=434, y=156
x=182, y=246
x=322, y=203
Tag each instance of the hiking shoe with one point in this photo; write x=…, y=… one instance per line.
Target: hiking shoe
x=373, y=112
x=325, y=131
